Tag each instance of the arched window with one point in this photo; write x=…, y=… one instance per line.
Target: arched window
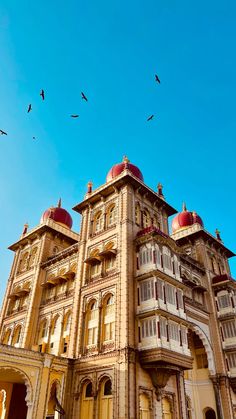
x=92, y=323
x=156, y=222
x=144, y=408
x=210, y=414
x=7, y=337
x=105, y=400
x=67, y=322
x=44, y=329
x=16, y=336
x=87, y=401
x=137, y=214
x=166, y=408
x=55, y=335
x=24, y=261
x=111, y=216
x=146, y=219
x=109, y=319
x=98, y=222
x=167, y=259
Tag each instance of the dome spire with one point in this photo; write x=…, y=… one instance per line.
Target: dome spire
x=125, y=159
x=59, y=203
x=184, y=208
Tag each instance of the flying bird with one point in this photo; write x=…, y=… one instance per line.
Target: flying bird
x=84, y=97
x=34, y=138
x=3, y=132
x=42, y=94
x=150, y=117
x=29, y=108
x=157, y=78
x=74, y=116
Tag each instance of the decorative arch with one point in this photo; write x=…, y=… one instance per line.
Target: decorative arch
x=53, y=403
x=26, y=380
x=209, y=413
x=97, y=221
x=207, y=346
x=105, y=393
x=137, y=213
x=86, y=398
x=146, y=218
x=111, y=214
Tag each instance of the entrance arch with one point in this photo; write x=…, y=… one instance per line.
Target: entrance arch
x=16, y=388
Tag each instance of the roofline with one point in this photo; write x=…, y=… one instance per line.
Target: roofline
x=49, y=225
x=208, y=236
x=107, y=188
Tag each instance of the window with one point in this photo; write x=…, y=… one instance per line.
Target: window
x=180, y=299
x=184, y=335
x=201, y=358
x=229, y=329
x=110, y=262
x=167, y=259
x=174, y=331
x=92, y=322
x=147, y=290
x=105, y=400
x=163, y=325
x=224, y=301
x=232, y=359
x=109, y=319
x=89, y=390
x=98, y=222
x=160, y=291
x=111, y=216
x=95, y=269
x=16, y=336
x=170, y=294
x=145, y=255
x=148, y=328
x=67, y=323
x=44, y=329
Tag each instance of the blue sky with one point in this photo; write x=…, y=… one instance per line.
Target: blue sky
x=111, y=51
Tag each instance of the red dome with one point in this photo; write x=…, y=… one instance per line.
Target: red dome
x=57, y=214
x=185, y=219
x=117, y=169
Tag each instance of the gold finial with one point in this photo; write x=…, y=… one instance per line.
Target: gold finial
x=25, y=229
x=184, y=208
x=159, y=188
x=125, y=159
x=59, y=203
x=218, y=234
x=89, y=187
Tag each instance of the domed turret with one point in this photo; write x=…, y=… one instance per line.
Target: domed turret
x=117, y=169
x=185, y=219
x=57, y=214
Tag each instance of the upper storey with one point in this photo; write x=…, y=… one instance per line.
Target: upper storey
x=118, y=176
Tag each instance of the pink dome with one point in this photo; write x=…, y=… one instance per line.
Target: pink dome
x=117, y=169
x=185, y=219
x=57, y=214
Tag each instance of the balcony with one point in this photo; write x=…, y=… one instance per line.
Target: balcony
x=153, y=305
x=158, y=356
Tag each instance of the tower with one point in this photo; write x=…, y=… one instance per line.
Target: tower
x=122, y=319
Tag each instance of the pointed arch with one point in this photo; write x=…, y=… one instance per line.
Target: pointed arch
x=207, y=345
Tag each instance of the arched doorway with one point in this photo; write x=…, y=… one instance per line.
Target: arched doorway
x=210, y=414
x=13, y=393
x=144, y=408
x=105, y=400
x=54, y=409
x=87, y=401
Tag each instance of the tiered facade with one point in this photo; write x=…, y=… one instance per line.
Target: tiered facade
x=123, y=319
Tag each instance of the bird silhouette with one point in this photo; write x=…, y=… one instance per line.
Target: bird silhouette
x=42, y=94
x=34, y=138
x=157, y=78
x=29, y=108
x=74, y=116
x=3, y=132
x=150, y=117
x=84, y=97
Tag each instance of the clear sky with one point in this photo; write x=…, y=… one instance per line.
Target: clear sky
x=111, y=50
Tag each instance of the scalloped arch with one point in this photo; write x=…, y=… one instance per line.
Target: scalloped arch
x=25, y=378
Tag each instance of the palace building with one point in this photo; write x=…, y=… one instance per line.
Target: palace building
x=127, y=318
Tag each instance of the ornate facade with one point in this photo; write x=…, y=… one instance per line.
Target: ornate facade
x=123, y=319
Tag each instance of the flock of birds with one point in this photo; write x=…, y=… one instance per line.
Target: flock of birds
x=42, y=94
